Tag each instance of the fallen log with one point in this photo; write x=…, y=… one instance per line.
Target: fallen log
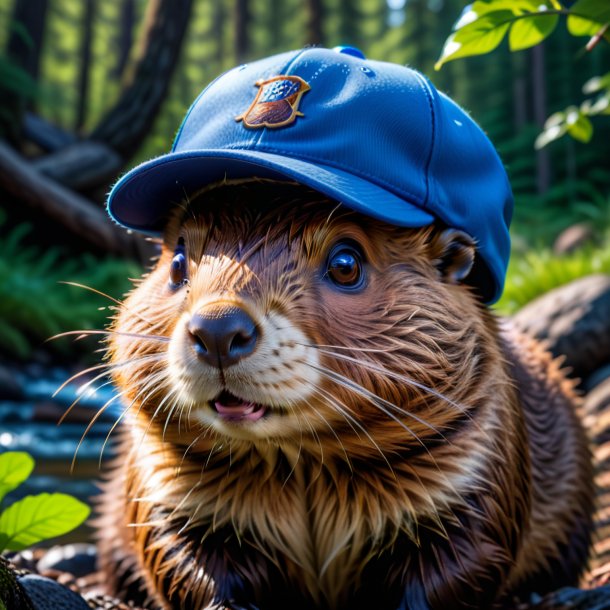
x=77, y=214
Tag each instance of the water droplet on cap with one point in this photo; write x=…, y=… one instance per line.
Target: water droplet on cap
x=353, y=51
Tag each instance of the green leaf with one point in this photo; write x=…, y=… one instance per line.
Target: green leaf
x=579, y=26
x=601, y=105
x=36, y=518
x=587, y=17
x=15, y=468
x=578, y=125
x=597, y=83
x=482, y=25
x=2, y=606
x=476, y=38
x=597, y=10
x=550, y=134
x=529, y=31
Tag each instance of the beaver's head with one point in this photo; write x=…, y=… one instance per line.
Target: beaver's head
x=276, y=316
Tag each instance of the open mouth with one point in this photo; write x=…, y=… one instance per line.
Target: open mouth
x=234, y=409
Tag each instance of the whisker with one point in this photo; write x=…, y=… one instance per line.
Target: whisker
x=97, y=367
x=167, y=397
x=85, y=333
x=90, y=425
x=79, y=398
x=377, y=401
x=107, y=367
x=298, y=453
x=169, y=416
x=122, y=415
x=107, y=296
x=322, y=346
x=400, y=377
x=347, y=414
x=334, y=433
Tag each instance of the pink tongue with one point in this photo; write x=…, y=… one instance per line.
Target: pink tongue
x=242, y=410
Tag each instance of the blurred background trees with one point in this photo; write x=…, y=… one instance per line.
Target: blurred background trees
x=90, y=88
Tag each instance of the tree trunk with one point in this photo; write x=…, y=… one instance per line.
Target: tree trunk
x=85, y=65
x=315, y=18
x=22, y=52
x=242, y=22
x=543, y=160
x=219, y=21
x=125, y=38
x=126, y=125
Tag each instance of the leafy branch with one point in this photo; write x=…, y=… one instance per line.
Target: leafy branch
x=33, y=518
x=484, y=24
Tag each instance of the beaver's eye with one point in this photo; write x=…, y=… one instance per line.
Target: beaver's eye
x=177, y=269
x=344, y=267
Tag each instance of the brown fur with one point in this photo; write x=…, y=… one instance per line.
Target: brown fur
x=418, y=454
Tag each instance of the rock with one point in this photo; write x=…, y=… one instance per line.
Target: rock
x=78, y=559
x=574, y=320
x=12, y=595
x=46, y=594
x=573, y=238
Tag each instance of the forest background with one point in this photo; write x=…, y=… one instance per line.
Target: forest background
x=81, y=58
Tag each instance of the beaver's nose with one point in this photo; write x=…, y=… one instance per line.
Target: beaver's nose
x=223, y=336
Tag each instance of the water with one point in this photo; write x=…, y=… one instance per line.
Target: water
x=30, y=423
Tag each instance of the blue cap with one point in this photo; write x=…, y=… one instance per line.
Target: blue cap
x=375, y=136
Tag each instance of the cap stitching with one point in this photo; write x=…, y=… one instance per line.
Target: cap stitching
x=372, y=177
x=423, y=82
x=190, y=110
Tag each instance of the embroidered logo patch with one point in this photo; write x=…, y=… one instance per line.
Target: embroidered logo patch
x=276, y=103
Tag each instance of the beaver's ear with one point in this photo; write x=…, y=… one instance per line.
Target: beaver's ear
x=453, y=255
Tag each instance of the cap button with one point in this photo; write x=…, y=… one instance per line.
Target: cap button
x=353, y=51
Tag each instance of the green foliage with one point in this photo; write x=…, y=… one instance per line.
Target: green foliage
x=34, y=519
x=15, y=468
x=34, y=305
x=533, y=273
x=484, y=24
x=15, y=79
x=574, y=120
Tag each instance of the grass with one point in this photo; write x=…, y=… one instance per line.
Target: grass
x=535, y=272
x=34, y=305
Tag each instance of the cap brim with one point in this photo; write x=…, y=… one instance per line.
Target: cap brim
x=142, y=199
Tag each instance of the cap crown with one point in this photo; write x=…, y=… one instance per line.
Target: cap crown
x=376, y=136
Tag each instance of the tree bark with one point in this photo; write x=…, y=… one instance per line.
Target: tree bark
x=125, y=126
x=315, y=18
x=543, y=160
x=85, y=64
x=125, y=38
x=23, y=52
x=242, y=22
x=81, y=166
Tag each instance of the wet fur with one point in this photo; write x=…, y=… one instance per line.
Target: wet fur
x=427, y=455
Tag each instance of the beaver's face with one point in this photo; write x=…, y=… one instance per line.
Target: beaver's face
x=274, y=315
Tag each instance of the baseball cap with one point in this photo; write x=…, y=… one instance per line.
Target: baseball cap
x=377, y=137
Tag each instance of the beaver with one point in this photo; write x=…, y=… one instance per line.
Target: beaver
x=321, y=414
x=321, y=409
